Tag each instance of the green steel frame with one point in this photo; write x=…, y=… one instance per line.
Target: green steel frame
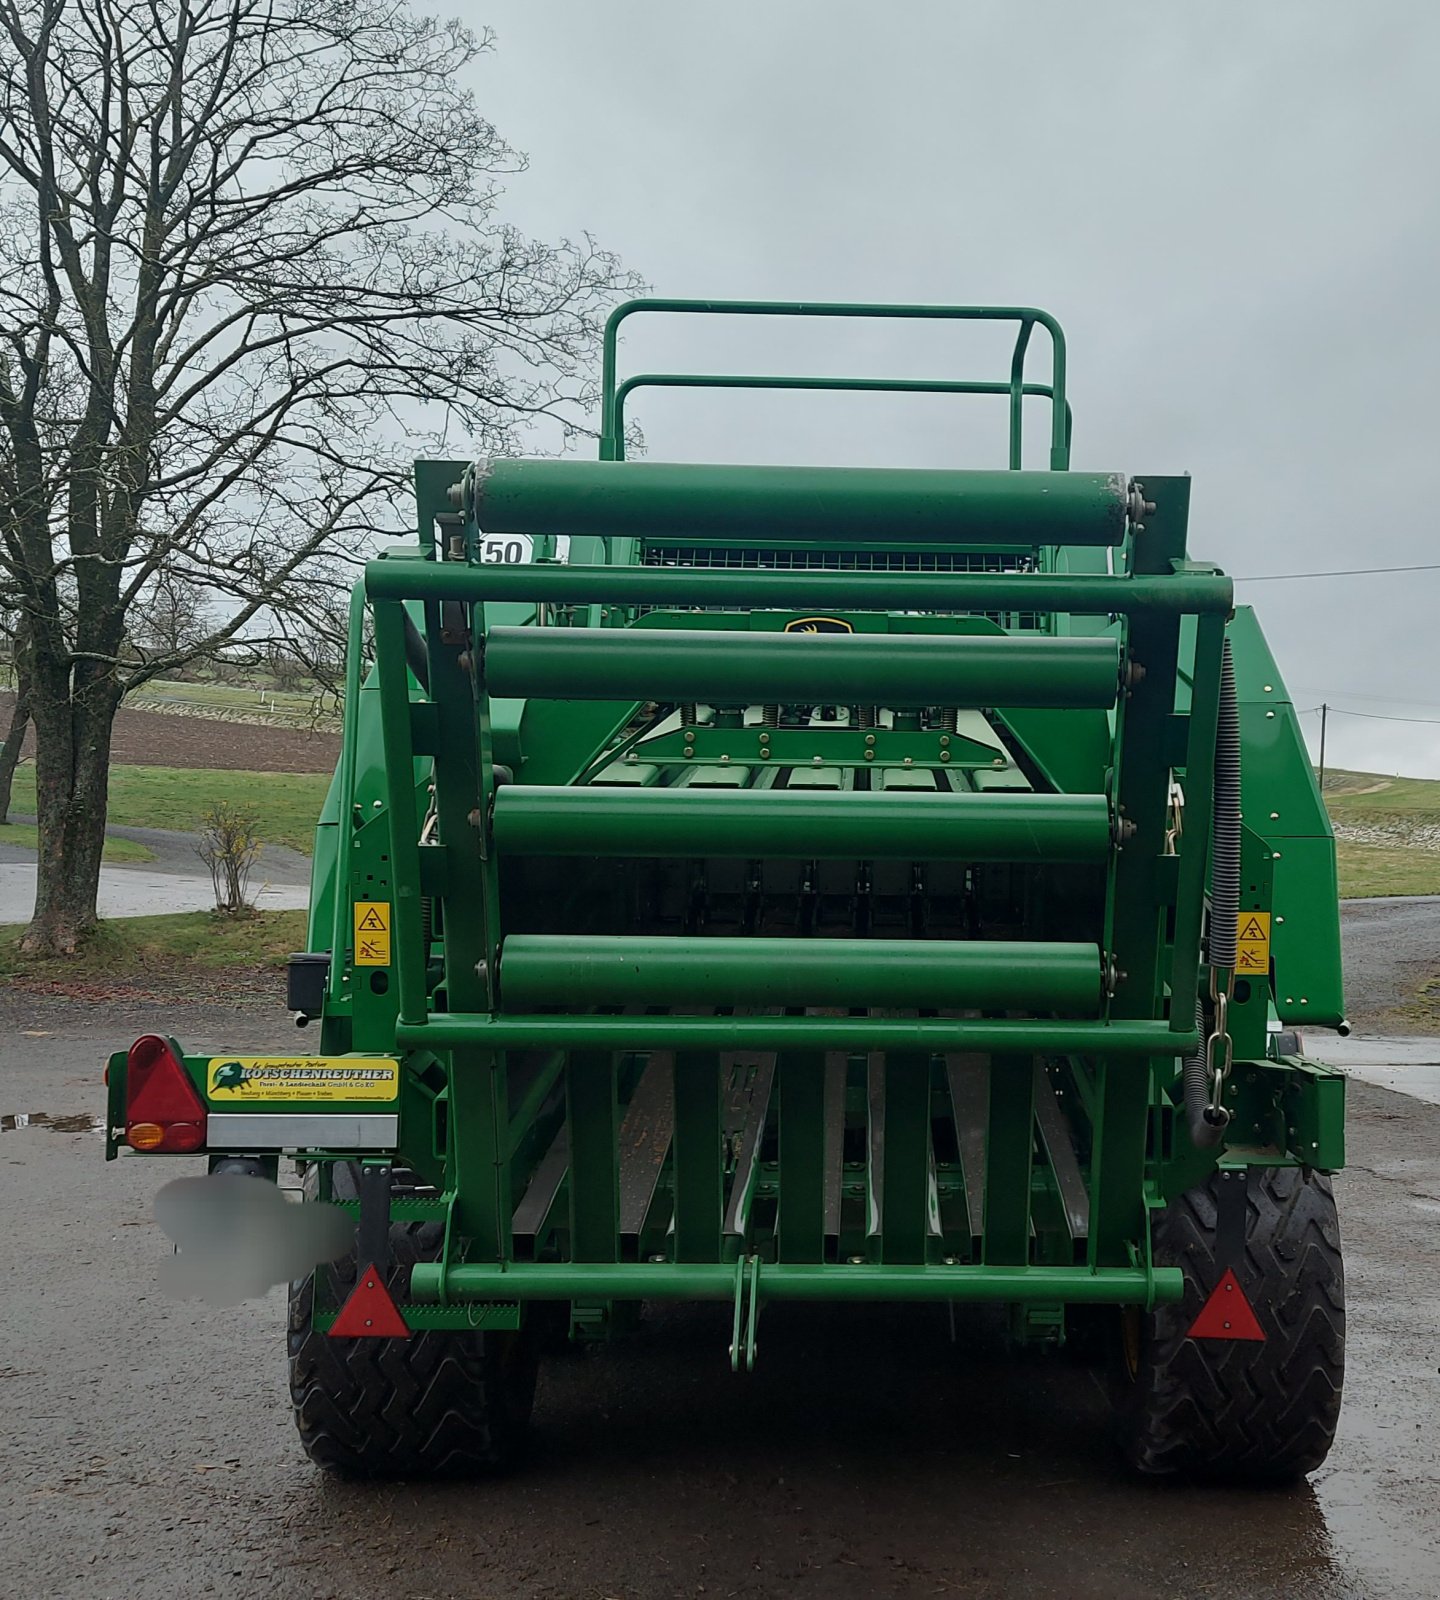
x=564, y=779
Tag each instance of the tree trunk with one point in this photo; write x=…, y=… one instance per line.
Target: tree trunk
x=14, y=742
x=72, y=763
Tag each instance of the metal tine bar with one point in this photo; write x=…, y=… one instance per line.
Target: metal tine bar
x=1010, y=1143
x=837, y=1065
x=970, y=1105
x=698, y=1173
x=754, y=1096
x=645, y=1137
x=801, y=1222
x=1060, y=1152
x=538, y=1201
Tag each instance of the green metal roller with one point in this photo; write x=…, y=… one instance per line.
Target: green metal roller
x=549, y=820
x=600, y=970
x=895, y=670
x=649, y=499
x=805, y=590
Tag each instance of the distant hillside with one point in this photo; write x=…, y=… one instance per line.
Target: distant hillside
x=1387, y=832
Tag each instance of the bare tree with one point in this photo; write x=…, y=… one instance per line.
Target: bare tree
x=247, y=247
x=15, y=635
x=172, y=618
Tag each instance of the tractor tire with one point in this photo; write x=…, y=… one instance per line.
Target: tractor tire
x=1234, y=1410
x=435, y=1405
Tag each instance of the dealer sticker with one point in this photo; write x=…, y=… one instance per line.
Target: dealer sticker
x=234, y=1080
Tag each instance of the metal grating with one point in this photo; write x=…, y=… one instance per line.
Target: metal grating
x=783, y=559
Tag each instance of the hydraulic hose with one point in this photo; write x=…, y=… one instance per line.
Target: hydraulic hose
x=1207, y=1127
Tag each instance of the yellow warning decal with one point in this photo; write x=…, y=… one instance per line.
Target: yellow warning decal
x=372, y=933
x=1254, y=953
x=235, y=1080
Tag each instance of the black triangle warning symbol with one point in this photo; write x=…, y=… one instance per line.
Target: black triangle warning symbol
x=1253, y=930
x=372, y=922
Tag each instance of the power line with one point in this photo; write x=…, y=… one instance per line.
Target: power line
x=1382, y=699
x=1349, y=572
x=1378, y=716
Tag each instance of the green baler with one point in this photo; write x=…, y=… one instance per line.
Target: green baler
x=834, y=884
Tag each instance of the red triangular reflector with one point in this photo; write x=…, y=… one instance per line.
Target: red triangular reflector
x=1227, y=1314
x=369, y=1313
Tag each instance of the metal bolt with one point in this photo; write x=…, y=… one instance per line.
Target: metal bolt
x=909, y=761
x=818, y=761
x=689, y=736
x=474, y=818
x=857, y=1261
x=724, y=758
x=689, y=754
x=1275, y=856
x=1269, y=713
x=1274, y=816
x=869, y=738
x=944, y=740
x=869, y=755
x=764, y=755
x=463, y=660
x=1269, y=688
x=944, y=755
x=764, y=738
x=999, y=761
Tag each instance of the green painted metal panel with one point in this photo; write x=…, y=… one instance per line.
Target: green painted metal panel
x=597, y=970
x=542, y=820
x=741, y=669
x=1281, y=802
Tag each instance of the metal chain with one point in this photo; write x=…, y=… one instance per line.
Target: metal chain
x=1219, y=1047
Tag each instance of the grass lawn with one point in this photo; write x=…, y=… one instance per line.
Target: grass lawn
x=1370, y=869
x=286, y=803
x=23, y=834
x=189, y=950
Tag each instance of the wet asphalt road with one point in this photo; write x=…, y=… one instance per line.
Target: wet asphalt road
x=147, y=1451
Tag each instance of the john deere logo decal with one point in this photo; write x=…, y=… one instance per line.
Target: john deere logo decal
x=295, y=1078
x=818, y=625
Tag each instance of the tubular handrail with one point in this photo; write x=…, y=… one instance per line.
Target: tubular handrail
x=1028, y=318
x=713, y=380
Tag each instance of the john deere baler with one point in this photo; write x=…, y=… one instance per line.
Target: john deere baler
x=837, y=884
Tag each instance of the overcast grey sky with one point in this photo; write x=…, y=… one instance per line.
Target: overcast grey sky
x=1232, y=209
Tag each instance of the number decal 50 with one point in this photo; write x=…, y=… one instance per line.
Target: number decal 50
x=508, y=551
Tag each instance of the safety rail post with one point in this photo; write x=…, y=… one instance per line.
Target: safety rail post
x=1136, y=911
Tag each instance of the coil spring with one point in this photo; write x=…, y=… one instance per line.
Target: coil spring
x=865, y=717
x=770, y=716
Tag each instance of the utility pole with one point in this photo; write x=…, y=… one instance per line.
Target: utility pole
x=1324, y=713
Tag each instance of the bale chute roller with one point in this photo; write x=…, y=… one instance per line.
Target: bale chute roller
x=830, y=884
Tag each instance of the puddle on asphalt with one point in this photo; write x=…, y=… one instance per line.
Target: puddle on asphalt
x=87, y=1122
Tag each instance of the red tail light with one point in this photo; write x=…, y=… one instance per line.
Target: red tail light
x=163, y=1111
